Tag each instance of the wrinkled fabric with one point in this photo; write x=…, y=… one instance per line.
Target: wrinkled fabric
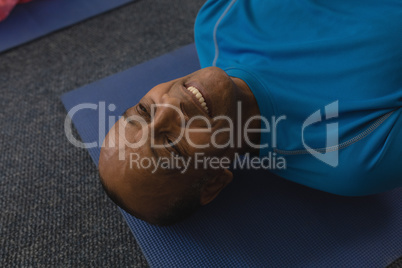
x=7, y=5
x=301, y=58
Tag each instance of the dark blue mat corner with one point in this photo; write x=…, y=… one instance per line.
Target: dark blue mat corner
x=40, y=17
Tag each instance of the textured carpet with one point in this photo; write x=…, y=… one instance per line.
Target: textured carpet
x=53, y=210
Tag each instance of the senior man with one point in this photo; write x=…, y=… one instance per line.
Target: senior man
x=316, y=85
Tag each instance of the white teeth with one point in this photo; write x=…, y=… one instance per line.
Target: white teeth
x=198, y=95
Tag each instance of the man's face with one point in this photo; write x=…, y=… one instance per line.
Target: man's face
x=171, y=119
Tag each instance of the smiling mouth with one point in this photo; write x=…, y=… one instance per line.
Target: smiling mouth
x=198, y=95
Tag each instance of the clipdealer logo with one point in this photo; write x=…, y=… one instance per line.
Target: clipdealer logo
x=328, y=154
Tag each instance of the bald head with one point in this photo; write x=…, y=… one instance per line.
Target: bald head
x=148, y=160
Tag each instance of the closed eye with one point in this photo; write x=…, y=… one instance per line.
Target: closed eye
x=143, y=111
x=173, y=145
x=142, y=108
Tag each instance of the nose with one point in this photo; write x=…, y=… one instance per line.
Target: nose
x=168, y=116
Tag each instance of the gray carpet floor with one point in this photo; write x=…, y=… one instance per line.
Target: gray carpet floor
x=53, y=210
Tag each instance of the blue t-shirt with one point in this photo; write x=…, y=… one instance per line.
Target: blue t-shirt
x=303, y=56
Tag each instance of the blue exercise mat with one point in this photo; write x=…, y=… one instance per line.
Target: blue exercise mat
x=29, y=21
x=259, y=220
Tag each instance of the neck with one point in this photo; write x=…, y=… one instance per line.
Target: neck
x=249, y=108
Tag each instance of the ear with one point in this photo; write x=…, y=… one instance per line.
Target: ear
x=214, y=186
